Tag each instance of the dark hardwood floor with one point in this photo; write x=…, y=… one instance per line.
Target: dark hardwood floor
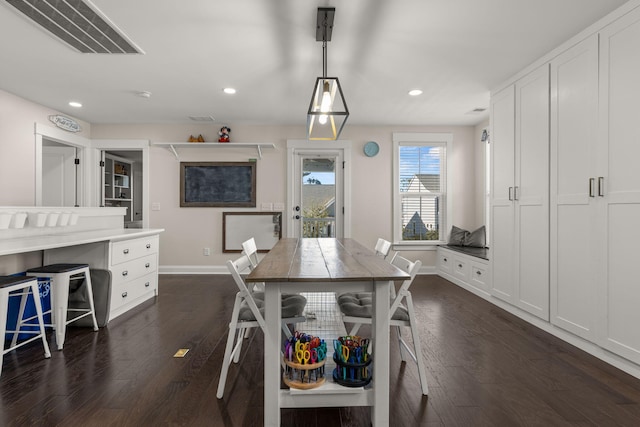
x=485, y=368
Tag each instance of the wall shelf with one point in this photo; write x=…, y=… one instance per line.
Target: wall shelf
x=258, y=146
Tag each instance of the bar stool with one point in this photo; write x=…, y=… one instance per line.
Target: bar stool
x=9, y=285
x=60, y=276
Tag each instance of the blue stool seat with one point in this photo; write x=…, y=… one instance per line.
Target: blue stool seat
x=19, y=286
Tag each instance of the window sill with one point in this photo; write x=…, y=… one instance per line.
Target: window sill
x=417, y=246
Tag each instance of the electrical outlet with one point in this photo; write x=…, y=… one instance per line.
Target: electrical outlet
x=155, y=206
x=206, y=251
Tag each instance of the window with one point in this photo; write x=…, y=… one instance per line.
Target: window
x=421, y=204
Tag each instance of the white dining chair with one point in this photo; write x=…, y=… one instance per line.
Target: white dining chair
x=356, y=308
x=250, y=249
x=382, y=248
x=248, y=312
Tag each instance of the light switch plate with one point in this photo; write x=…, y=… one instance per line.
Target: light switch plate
x=266, y=206
x=155, y=206
x=278, y=207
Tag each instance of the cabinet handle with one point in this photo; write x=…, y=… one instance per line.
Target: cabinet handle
x=148, y=245
x=601, y=186
x=146, y=285
x=445, y=260
x=459, y=265
x=126, y=251
x=124, y=295
x=479, y=273
x=125, y=273
x=147, y=265
x=510, y=191
x=515, y=193
x=592, y=183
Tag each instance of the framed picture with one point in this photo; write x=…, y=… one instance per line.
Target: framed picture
x=264, y=227
x=218, y=184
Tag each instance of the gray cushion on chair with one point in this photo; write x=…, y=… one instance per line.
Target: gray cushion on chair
x=292, y=306
x=360, y=305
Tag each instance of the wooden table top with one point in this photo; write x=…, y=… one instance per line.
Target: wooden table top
x=323, y=260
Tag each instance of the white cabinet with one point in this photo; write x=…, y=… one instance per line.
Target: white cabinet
x=118, y=184
x=573, y=195
x=520, y=193
x=134, y=272
x=619, y=191
x=468, y=271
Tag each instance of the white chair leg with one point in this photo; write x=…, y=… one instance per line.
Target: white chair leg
x=226, y=361
x=403, y=356
x=416, y=346
x=242, y=333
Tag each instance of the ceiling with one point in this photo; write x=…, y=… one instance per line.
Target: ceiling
x=455, y=51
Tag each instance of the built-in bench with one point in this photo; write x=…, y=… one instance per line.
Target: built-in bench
x=465, y=266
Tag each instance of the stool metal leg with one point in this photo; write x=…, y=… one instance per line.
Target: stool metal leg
x=38, y=304
x=89, y=289
x=23, y=303
x=4, y=304
x=59, y=306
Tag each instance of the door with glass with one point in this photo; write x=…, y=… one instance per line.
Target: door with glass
x=318, y=194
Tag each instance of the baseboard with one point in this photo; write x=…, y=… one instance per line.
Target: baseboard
x=193, y=269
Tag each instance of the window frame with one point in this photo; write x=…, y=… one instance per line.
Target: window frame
x=422, y=139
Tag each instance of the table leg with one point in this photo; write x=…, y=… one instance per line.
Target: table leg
x=272, y=303
x=381, y=330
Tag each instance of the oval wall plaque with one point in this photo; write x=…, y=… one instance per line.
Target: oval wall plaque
x=65, y=123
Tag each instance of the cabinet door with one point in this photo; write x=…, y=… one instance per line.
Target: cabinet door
x=532, y=192
x=502, y=183
x=619, y=207
x=574, y=114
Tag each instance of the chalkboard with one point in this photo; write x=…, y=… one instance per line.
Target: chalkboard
x=216, y=184
x=264, y=227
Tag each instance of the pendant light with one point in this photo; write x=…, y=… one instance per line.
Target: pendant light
x=328, y=110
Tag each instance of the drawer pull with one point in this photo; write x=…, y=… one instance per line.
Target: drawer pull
x=124, y=295
x=459, y=265
x=146, y=285
x=148, y=245
x=125, y=273
x=445, y=260
x=479, y=273
x=126, y=251
x=147, y=265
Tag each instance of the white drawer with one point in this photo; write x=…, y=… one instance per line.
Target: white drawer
x=479, y=276
x=127, y=250
x=445, y=260
x=128, y=271
x=126, y=292
x=461, y=268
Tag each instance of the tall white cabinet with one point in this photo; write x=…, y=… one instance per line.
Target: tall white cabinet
x=575, y=232
x=619, y=210
x=520, y=193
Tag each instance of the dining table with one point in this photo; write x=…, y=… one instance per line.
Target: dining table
x=296, y=265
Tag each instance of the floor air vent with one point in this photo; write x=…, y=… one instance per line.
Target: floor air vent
x=78, y=23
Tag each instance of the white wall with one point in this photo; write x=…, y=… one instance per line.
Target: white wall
x=17, y=171
x=189, y=230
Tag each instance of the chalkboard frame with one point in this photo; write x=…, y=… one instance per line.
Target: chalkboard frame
x=227, y=247
x=247, y=195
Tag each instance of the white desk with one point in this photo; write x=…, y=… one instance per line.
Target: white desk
x=325, y=265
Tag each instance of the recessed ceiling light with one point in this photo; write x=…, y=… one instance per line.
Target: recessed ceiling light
x=229, y=90
x=415, y=92
x=75, y=104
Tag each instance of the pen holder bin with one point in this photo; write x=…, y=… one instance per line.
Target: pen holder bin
x=303, y=376
x=352, y=374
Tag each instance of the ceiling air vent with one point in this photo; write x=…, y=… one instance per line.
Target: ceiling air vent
x=78, y=23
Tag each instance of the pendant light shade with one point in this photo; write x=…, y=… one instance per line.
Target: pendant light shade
x=328, y=110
